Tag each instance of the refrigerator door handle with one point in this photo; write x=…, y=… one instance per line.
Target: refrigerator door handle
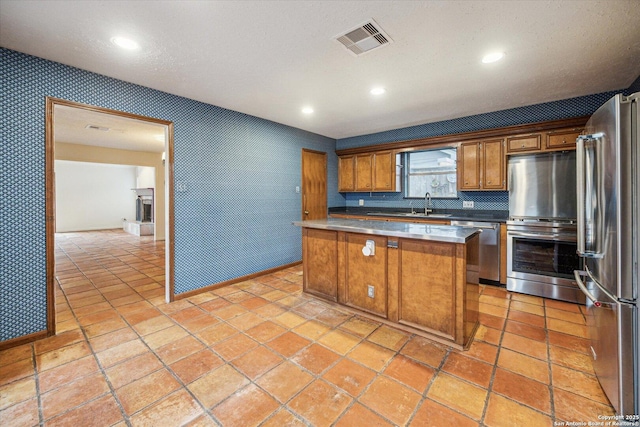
x=578, y=276
x=590, y=195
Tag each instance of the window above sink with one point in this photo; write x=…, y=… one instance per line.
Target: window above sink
x=429, y=171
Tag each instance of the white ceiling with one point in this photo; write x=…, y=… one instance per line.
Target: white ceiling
x=271, y=58
x=70, y=126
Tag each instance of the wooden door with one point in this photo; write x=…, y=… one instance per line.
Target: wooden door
x=469, y=166
x=384, y=171
x=363, y=272
x=314, y=185
x=493, y=170
x=320, y=262
x=428, y=273
x=363, y=172
x=346, y=173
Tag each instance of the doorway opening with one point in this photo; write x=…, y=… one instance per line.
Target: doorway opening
x=62, y=117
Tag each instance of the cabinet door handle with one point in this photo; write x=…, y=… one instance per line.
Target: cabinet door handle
x=522, y=145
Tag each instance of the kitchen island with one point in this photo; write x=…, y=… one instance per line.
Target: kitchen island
x=421, y=278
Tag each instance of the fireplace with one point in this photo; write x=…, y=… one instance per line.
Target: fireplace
x=144, y=223
x=144, y=204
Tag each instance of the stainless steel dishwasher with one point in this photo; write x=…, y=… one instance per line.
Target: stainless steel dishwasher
x=489, y=248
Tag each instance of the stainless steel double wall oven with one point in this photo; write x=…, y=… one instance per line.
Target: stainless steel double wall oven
x=541, y=232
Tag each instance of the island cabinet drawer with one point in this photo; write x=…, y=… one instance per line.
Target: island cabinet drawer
x=517, y=144
x=366, y=275
x=320, y=262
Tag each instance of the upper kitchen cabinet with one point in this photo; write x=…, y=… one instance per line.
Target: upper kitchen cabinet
x=524, y=143
x=364, y=172
x=384, y=171
x=562, y=139
x=367, y=172
x=346, y=173
x=481, y=166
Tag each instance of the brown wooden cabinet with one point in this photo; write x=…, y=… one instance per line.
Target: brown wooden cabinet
x=364, y=173
x=367, y=172
x=524, y=143
x=481, y=165
x=428, y=274
x=469, y=166
x=320, y=262
x=346, y=173
x=562, y=139
x=494, y=173
x=384, y=171
x=426, y=287
x=366, y=272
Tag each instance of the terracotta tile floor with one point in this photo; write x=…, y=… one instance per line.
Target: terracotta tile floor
x=262, y=353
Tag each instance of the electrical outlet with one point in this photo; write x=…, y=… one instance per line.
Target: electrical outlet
x=467, y=204
x=297, y=189
x=371, y=291
x=361, y=202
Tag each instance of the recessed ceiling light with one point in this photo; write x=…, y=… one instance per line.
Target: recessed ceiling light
x=125, y=43
x=377, y=91
x=307, y=110
x=492, y=57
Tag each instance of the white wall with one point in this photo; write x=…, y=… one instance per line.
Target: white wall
x=93, y=196
x=112, y=156
x=146, y=177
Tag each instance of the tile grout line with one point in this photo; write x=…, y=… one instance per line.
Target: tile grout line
x=552, y=405
x=94, y=354
x=495, y=363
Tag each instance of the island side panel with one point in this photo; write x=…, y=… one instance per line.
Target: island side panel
x=365, y=271
x=471, y=289
x=427, y=291
x=320, y=262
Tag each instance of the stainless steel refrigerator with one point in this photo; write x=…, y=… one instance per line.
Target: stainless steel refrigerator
x=608, y=190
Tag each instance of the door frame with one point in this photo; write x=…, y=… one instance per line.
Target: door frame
x=50, y=219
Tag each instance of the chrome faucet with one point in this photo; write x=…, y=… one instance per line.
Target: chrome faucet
x=427, y=204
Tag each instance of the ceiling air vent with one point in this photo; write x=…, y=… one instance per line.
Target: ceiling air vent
x=364, y=38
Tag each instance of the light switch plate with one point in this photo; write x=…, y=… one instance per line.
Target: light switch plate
x=361, y=202
x=467, y=204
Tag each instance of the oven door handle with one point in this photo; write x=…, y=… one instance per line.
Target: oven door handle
x=578, y=276
x=546, y=236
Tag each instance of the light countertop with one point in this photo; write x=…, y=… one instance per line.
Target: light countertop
x=438, y=233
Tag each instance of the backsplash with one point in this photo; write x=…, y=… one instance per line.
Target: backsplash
x=483, y=200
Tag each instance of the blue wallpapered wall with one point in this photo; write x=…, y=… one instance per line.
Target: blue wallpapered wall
x=240, y=172
x=488, y=200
